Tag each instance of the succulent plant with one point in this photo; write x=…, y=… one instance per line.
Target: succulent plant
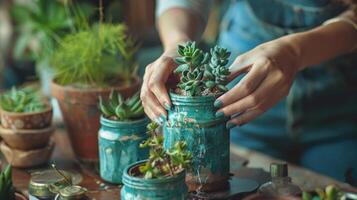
x=163, y=162
x=27, y=99
x=331, y=192
x=216, y=73
x=7, y=190
x=118, y=108
x=201, y=71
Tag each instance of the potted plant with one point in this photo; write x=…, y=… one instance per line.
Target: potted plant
x=88, y=64
x=162, y=175
x=25, y=127
x=25, y=108
x=193, y=119
x=123, y=128
x=7, y=190
x=40, y=25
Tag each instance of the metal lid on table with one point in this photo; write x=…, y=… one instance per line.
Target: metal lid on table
x=73, y=192
x=278, y=170
x=42, y=183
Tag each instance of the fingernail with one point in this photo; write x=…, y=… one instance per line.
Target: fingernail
x=218, y=104
x=163, y=117
x=230, y=125
x=167, y=106
x=159, y=121
x=219, y=114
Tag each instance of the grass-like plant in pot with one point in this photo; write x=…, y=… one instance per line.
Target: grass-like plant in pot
x=192, y=119
x=88, y=64
x=123, y=128
x=7, y=190
x=162, y=175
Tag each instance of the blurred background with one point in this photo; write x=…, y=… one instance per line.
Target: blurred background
x=29, y=31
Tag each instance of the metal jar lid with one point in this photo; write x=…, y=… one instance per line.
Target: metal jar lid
x=278, y=170
x=41, y=183
x=73, y=192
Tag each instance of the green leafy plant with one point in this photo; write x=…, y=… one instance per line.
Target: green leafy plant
x=163, y=162
x=40, y=26
x=7, y=190
x=331, y=192
x=201, y=73
x=118, y=108
x=96, y=56
x=27, y=99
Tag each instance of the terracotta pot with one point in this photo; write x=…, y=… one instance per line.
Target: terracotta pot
x=32, y=158
x=19, y=196
x=33, y=120
x=81, y=115
x=23, y=139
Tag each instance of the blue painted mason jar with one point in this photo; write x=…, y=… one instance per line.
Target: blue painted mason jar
x=193, y=120
x=166, y=188
x=119, y=146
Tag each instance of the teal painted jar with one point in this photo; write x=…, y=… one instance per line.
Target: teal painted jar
x=193, y=120
x=119, y=146
x=138, y=188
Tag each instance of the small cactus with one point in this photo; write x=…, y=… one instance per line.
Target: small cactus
x=202, y=71
x=120, y=109
x=7, y=190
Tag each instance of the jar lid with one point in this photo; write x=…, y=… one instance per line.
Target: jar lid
x=278, y=170
x=72, y=192
x=42, y=183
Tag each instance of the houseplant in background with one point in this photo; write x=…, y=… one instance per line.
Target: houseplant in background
x=162, y=175
x=40, y=26
x=7, y=190
x=26, y=129
x=123, y=128
x=192, y=117
x=90, y=63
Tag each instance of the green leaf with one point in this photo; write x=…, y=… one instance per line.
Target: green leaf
x=210, y=84
x=181, y=68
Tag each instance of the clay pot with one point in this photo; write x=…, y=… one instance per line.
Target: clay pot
x=79, y=107
x=19, y=196
x=32, y=158
x=33, y=120
x=23, y=139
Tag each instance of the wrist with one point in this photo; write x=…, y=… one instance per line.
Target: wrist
x=293, y=45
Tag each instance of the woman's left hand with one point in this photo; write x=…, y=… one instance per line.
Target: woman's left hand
x=270, y=69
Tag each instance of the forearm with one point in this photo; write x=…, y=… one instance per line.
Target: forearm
x=324, y=42
x=179, y=25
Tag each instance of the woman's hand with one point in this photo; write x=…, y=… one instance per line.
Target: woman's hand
x=154, y=94
x=270, y=69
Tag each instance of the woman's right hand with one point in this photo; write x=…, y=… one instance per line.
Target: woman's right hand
x=154, y=93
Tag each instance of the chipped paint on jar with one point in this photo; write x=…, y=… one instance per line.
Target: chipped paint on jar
x=166, y=188
x=119, y=146
x=193, y=120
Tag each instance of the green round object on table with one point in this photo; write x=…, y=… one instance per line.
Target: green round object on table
x=42, y=183
x=73, y=192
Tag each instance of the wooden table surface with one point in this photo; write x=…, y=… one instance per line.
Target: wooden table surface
x=64, y=158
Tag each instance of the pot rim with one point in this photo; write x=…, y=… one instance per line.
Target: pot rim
x=70, y=87
x=8, y=131
x=129, y=179
x=118, y=124
x=192, y=100
x=25, y=114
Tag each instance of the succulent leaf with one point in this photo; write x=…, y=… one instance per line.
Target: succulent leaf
x=118, y=108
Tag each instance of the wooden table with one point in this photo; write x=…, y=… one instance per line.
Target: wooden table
x=88, y=177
